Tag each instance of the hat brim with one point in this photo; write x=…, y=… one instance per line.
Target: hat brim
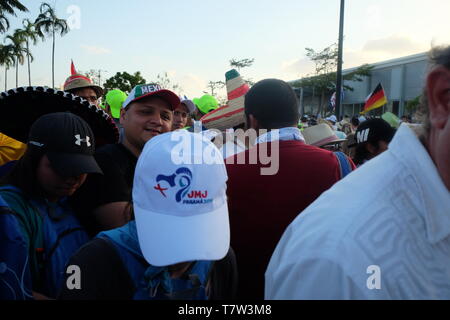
x=167, y=95
x=333, y=142
x=167, y=240
x=98, y=90
x=73, y=164
x=21, y=107
x=327, y=141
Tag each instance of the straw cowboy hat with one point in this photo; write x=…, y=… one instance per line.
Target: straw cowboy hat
x=320, y=135
x=232, y=114
x=21, y=107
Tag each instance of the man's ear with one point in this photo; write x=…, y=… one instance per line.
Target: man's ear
x=252, y=122
x=438, y=96
x=122, y=115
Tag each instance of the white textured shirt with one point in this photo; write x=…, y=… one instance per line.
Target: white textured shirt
x=383, y=232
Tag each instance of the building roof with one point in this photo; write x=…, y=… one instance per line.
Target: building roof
x=387, y=63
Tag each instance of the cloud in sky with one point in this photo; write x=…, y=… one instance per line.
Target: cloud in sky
x=192, y=85
x=95, y=49
x=301, y=66
x=393, y=46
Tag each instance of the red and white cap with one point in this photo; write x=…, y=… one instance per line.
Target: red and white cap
x=146, y=90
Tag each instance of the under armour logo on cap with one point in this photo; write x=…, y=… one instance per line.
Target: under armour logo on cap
x=79, y=140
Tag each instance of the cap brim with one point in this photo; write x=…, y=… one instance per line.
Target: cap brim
x=166, y=95
x=189, y=104
x=166, y=239
x=73, y=164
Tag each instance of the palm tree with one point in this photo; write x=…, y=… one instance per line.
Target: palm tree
x=18, y=51
x=8, y=7
x=47, y=23
x=29, y=34
x=6, y=59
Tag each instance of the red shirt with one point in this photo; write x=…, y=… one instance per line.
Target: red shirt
x=262, y=206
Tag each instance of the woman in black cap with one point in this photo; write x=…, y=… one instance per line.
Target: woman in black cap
x=41, y=231
x=371, y=139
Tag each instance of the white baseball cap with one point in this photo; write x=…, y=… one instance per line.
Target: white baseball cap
x=332, y=118
x=181, y=207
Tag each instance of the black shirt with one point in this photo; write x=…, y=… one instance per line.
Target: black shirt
x=115, y=185
x=104, y=276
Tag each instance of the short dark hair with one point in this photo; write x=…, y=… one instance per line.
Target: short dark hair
x=273, y=103
x=355, y=121
x=23, y=174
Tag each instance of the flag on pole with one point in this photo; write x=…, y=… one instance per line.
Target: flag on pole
x=72, y=69
x=375, y=100
x=332, y=103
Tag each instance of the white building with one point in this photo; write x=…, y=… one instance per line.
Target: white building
x=401, y=78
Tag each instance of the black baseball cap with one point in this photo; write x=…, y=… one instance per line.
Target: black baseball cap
x=68, y=142
x=372, y=131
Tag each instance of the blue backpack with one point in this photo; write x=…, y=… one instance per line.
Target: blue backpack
x=344, y=164
x=15, y=275
x=59, y=236
x=154, y=283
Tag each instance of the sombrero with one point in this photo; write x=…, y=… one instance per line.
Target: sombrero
x=79, y=81
x=232, y=114
x=20, y=107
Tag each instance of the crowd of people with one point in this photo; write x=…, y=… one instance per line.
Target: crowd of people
x=103, y=208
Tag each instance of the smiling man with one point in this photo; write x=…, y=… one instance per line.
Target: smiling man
x=146, y=113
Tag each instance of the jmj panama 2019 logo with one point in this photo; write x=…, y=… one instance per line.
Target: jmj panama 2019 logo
x=181, y=179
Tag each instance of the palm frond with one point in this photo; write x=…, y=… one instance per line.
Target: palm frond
x=9, y=6
x=4, y=24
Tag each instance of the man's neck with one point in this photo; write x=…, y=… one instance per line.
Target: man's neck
x=260, y=131
x=135, y=151
x=429, y=142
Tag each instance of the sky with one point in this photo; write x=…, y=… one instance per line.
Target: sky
x=193, y=40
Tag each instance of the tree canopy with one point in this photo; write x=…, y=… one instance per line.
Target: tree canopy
x=124, y=81
x=323, y=80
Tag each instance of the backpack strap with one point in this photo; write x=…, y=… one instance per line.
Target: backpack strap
x=344, y=164
x=14, y=267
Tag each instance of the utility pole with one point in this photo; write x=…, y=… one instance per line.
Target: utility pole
x=100, y=76
x=339, y=64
